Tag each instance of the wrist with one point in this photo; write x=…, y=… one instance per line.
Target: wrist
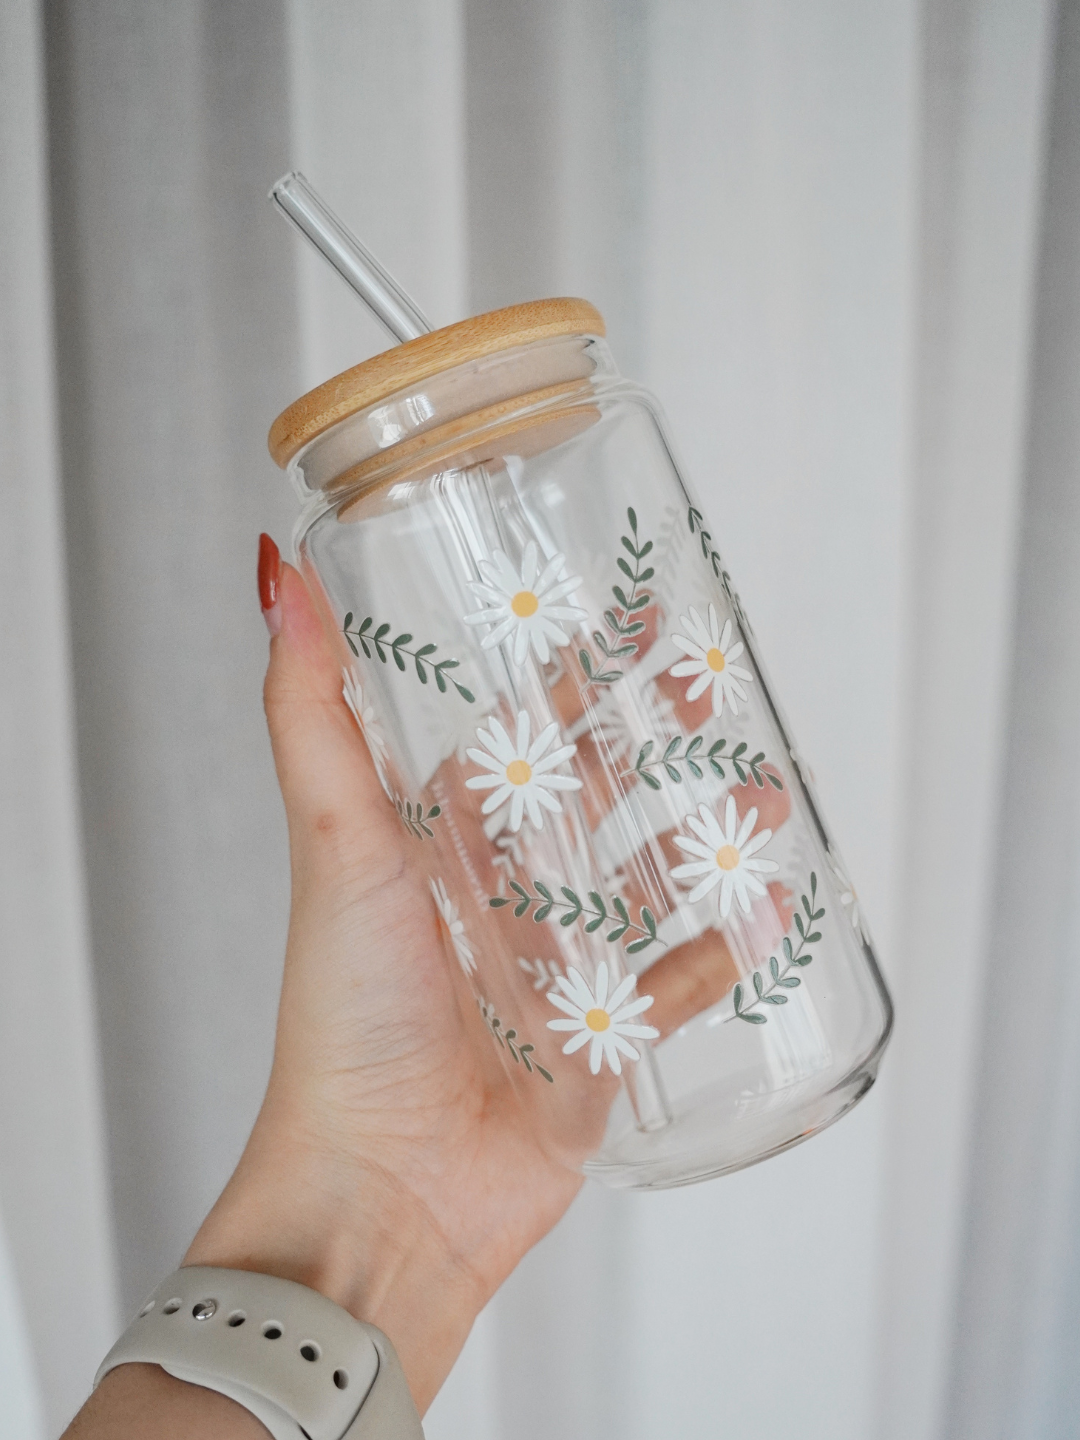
x=343, y=1226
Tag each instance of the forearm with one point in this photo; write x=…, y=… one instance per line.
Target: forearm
x=142, y=1402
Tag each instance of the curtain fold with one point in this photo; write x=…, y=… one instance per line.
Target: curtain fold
x=839, y=242
x=1019, y=1297
x=53, y=1189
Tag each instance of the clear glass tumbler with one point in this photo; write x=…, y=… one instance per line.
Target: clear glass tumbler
x=565, y=705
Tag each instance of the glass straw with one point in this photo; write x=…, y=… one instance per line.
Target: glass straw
x=356, y=265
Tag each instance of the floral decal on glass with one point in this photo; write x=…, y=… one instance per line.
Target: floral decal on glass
x=525, y=606
x=711, y=659
x=725, y=855
x=695, y=758
x=568, y=908
x=521, y=1054
x=401, y=650
x=796, y=957
x=625, y=625
x=605, y=1023
x=452, y=927
x=364, y=716
x=521, y=772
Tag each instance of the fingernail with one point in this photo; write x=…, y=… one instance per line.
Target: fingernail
x=270, y=583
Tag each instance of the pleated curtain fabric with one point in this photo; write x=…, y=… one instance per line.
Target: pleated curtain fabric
x=839, y=241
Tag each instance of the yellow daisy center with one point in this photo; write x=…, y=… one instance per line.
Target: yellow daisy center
x=727, y=857
x=519, y=772
x=597, y=1019
x=715, y=660
x=524, y=604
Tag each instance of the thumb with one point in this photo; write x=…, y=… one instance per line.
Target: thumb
x=336, y=808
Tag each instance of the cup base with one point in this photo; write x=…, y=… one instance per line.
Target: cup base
x=711, y=1140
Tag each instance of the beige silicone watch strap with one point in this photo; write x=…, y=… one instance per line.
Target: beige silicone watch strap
x=298, y=1362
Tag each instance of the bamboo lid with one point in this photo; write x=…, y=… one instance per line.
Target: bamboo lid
x=405, y=365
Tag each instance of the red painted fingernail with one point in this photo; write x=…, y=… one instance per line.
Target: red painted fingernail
x=270, y=583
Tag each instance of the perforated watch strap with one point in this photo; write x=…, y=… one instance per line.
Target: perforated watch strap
x=298, y=1362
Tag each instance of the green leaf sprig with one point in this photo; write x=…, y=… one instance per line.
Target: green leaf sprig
x=623, y=619
x=575, y=909
x=508, y=1040
x=398, y=649
x=697, y=527
x=781, y=978
x=694, y=758
x=415, y=818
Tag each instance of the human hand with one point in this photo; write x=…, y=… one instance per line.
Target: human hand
x=389, y=1167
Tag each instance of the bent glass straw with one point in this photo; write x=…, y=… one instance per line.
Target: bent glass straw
x=356, y=265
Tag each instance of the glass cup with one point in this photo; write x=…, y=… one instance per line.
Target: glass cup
x=565, y=705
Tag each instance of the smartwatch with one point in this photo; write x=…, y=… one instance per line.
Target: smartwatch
x=301, y=1364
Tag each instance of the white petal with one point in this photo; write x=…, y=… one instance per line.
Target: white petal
x=726, y=886
x=534, y=799
x=756, y=842
x=568, y=1007
x=540, y=644
x=492, y=803
x=517, y=807
x=540, y=744
x=529, y=566
x=635, y=1007
x=577, y=1042
x=524, y=725
x=488, y=761
x=762, y=867
x=700, y=685
x=558, y=782
x=619, y=994
x=483, y=782
x=709, y=883
x=497, y=741
x=595, y=1055
x=695, y=868
x=747, y=827
x=549, y=762
x=601, y=985
x=731, y=819
x=620, y=1041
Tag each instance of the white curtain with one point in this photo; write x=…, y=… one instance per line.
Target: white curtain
x=840, y=241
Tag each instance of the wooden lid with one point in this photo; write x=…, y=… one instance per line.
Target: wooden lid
x=405, y=365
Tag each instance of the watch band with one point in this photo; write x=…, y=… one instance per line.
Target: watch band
x=301, y=1364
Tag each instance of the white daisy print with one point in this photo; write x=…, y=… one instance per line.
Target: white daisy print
x=526, y=606
x=603, y=1020
x=711, y=658
x=849, y=897
x=520, y=772
x=364, y=716
x=453, y=930
x=725, y=856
